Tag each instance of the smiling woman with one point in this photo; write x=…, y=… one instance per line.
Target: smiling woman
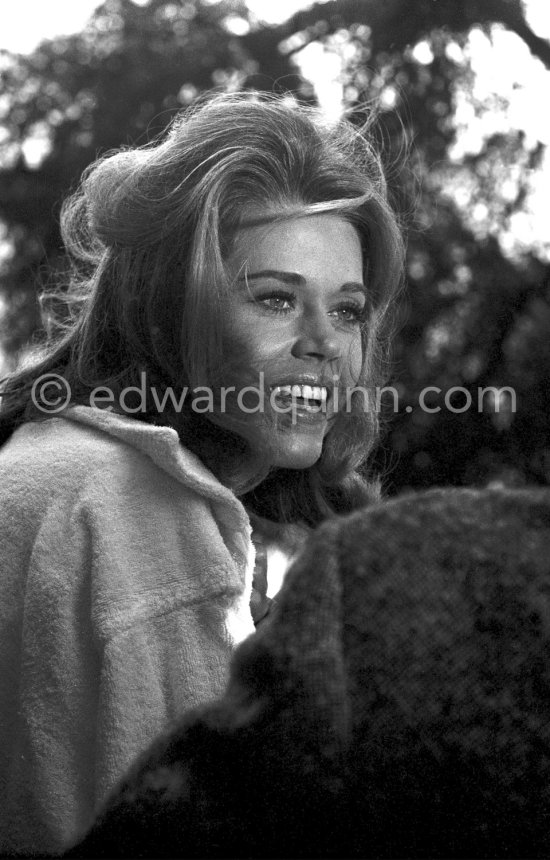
x=297, y=319
x=249, y=256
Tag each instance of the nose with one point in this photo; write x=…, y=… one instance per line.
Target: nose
x=316, y=339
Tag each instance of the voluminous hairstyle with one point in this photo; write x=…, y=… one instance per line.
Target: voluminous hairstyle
x=148, y=234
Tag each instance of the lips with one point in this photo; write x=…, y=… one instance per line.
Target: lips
x=305, y=399
x=303, y=394
x=308, y=385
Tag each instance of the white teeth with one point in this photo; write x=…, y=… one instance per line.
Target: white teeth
x=282, y=389
x=306, y=392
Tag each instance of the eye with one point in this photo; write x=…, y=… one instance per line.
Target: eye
x=277, y=302
x=350, y=313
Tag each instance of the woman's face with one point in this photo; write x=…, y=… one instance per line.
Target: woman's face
x=292, y=330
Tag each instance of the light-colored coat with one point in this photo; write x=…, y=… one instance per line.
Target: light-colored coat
x=125, y=579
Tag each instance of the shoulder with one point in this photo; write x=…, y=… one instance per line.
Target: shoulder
x=78, y=498
x=57, y=454
x=128, y=485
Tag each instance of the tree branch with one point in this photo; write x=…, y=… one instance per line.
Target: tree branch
x=396, y=25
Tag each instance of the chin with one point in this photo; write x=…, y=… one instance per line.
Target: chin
x=297, y=453
x=285, y=447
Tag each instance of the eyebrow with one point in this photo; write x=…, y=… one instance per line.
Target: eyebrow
x=296, y=280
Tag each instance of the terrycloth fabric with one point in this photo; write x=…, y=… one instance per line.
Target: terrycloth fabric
x=126, y=574
x=395, y=704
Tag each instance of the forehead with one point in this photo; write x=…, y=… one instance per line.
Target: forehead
x=309, y=245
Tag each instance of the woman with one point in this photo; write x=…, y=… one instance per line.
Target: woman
x=231, y=284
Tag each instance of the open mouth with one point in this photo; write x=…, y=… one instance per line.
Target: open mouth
x=312, y=397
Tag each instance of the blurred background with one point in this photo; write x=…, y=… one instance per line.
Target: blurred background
x=467, y=81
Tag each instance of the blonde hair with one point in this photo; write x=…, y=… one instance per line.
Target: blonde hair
x=149, y=232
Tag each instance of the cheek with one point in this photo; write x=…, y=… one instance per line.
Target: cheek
x=243, y=357
x=250, y=347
